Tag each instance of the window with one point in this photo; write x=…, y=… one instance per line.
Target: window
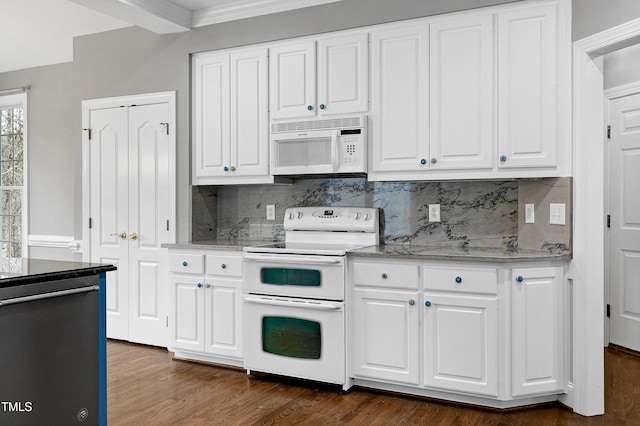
x=12, y=175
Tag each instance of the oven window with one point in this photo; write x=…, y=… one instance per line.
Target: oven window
x=291, y=337
x=288, y=276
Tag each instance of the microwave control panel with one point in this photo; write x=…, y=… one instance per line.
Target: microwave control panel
x=352, y=145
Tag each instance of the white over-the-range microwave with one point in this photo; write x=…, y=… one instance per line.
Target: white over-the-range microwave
x=319, y=146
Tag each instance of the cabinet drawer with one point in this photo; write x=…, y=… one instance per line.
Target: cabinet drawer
x=224, y=265
x=186, y=263
x=389, y=275
x=468, y=280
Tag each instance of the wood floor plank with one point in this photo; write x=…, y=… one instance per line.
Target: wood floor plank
x=146, y=386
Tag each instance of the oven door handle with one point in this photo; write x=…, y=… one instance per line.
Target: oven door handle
x=292, y=259
x=304, y=304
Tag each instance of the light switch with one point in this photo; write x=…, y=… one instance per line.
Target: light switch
x=529, y=213
x=271, y=212
x=557, y=214
x=434, y=212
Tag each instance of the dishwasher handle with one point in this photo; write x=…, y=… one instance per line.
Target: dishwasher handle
x=291, y=303
x=42, y=296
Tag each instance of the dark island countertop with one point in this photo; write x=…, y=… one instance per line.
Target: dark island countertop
x=16, y=272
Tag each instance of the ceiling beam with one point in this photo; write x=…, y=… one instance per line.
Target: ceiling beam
x=159, y=16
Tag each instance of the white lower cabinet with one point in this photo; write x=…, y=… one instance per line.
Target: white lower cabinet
x=387, y=339
x=448, y=328
x=537, y=331
x=206, y=305
x=461, y=343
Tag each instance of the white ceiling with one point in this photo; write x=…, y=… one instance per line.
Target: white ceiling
x=40, y=32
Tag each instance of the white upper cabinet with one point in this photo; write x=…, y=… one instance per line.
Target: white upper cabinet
x=462, y=93
x=211, y=125
x=292, y=70
x=481, y=94
x=532, y=78
x=399, y=99
x=336, y=84
x=230, y=117
x=343, y=74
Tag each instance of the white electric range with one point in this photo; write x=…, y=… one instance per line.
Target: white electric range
x=294, y=292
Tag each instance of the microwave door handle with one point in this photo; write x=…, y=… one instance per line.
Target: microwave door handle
x=334, y=151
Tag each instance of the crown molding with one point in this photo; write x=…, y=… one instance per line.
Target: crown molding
x=247, y=9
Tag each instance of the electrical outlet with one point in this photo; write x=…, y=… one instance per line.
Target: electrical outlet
x=271, y=212
x=434, y=212
x=557, y=214
x=529, y=213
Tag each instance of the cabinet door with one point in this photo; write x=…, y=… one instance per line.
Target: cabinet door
x=343, y=74
x=400, y=99
x=187, y=312
x=211, y=125
x=462, y=93
x=249, y=139
x=536, y=331
x=292, y=83
x=223, y=308
x=461, y=343
x=528, y=87
x=386, y=335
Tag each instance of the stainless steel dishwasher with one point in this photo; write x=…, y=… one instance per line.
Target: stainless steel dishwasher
x=50, y=352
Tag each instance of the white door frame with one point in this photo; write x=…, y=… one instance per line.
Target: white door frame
x=586, y=394
x=144, y=99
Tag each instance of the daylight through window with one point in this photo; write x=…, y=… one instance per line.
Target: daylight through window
x=11, y=179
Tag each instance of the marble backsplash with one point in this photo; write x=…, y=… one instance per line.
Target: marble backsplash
x=473, y=213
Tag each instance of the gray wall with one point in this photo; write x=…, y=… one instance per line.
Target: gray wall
x=133, y=61
x=593, y=16
x=622, y=67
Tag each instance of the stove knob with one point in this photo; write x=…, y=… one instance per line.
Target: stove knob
x=290, y=215
x=366, y=216
x=357, y=217
x=299, y=215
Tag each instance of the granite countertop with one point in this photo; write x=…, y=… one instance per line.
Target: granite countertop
x=437, y=251
x=457, y=252
x=14, y=272
x=216, y=244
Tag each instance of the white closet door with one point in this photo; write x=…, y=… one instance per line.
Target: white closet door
x=148, y=177
x=109, y=210
x=131, y=185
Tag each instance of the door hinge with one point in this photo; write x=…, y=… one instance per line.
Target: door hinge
x=166, y=127
x=608, y=221
x=167, y=225
x=166, y=321
x=608, y=310
x=609, y=131
x=88, y=133
x=90, y=223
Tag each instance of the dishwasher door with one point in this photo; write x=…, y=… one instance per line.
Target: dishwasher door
x=49, y=354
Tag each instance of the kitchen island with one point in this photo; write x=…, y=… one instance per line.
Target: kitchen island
x=53, y=333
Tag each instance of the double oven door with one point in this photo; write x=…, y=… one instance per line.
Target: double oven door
x=294, y=317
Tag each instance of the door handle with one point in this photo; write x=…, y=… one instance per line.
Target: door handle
x=133, y=236
x=122, y=235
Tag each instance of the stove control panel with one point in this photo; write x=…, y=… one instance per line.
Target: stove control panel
x=350, y=219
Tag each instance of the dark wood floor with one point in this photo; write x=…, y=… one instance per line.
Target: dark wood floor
x=147, y=387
